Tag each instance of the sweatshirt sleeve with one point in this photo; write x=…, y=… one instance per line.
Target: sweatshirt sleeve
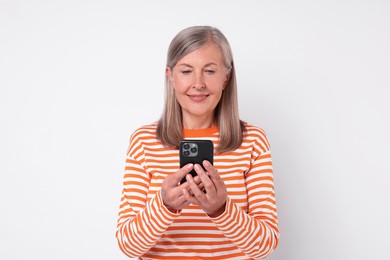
x=141, y=221
x=255, y=232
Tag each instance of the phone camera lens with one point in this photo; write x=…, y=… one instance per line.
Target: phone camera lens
x=186, y=153
x=186, y=146
x=193, y=150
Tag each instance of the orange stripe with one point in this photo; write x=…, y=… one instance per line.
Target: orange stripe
x=191, y=243
x=191, y=250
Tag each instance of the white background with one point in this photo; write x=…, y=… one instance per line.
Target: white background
x=78, y=77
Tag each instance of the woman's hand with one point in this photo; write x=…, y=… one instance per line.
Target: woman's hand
x=213, y=202
x=172, y=193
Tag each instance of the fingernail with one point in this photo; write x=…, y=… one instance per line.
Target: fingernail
x=189, y=166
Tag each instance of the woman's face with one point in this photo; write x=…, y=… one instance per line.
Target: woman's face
x=199, y=79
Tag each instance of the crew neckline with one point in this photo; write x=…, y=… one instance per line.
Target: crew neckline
x=191, y=133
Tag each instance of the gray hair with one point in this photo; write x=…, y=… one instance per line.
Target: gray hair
x=170, y=125
x=193, y=38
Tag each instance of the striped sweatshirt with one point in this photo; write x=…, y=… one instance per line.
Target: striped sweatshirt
x=247, y=229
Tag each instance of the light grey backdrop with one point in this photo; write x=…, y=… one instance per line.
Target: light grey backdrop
x=77, y=77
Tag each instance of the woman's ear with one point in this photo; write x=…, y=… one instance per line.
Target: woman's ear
x=168, y=73
x=227, y=78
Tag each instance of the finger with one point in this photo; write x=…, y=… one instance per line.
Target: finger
x=175, y=178
x=187, y=187
x=208, y=184
x=197, y=179
x=199, y=182
x=201, y=187
x=182, y=205
x=189, y=197
x=182, y=201
x=213, y=173
x=172, y=195
x=198, y=193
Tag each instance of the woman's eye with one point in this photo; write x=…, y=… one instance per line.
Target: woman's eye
x=186, y=72
x=210, y=72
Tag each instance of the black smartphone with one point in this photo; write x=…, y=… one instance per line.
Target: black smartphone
x=195, y=151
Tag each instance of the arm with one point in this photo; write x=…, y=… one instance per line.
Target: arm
x=256, y=232
x=141, y=221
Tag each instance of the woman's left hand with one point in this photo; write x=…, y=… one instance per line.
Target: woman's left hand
x=213, y=202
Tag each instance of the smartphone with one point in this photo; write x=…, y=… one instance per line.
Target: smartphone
x=195, y=151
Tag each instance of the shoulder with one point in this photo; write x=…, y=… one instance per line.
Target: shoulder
x=256, y=134
x=142, y=135
x=253, y=130
x=144, y=132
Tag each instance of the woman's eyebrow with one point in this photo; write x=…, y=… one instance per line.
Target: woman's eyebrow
x=185, y=65
x=188, y=65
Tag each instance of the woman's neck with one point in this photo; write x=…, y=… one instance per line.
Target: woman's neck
x=198, y=123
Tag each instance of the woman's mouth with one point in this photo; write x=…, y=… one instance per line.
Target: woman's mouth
x=197, y=98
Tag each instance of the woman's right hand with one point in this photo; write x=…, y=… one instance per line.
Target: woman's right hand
x=172, y=192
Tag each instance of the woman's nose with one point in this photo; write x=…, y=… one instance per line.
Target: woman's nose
x=198, y=81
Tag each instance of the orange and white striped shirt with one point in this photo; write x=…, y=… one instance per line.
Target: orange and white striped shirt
x=247, y=229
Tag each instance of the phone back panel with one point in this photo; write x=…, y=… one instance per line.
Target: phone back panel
x=195, y=151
